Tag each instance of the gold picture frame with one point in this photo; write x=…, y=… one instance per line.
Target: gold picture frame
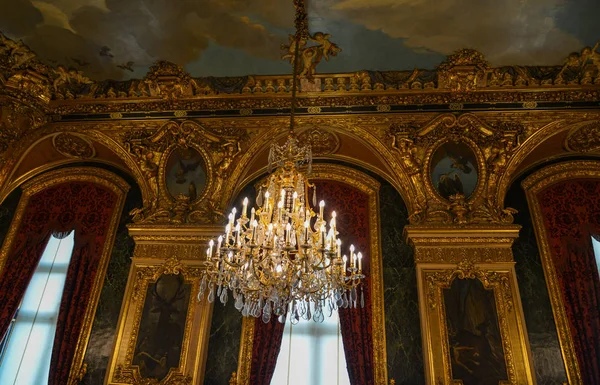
x=164, y=250
x=444, y=254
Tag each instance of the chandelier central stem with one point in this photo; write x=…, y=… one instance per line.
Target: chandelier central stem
x=285, y=258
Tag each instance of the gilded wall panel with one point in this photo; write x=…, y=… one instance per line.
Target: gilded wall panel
x=477, y=321
x=161, y=296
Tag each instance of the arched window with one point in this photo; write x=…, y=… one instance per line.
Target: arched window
x=312, y=354
x=27, y=346
x=597, y=252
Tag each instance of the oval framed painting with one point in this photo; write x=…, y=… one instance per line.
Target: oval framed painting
x=454, y=170
x=185, y=173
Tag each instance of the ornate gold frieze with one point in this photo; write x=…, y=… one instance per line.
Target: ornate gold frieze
x=534, y=184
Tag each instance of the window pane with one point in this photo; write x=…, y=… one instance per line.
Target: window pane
x=311, y=354
x=597, y=252
x=26, y=359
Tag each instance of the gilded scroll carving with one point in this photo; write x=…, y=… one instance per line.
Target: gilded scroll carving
x=152, y=150
x=492, y=148
x=73, y=146
x=585, y=138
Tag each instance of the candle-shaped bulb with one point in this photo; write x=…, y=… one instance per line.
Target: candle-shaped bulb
x=321, y=207
x=359, y=261
x=245, y=208
x=339, y=247
x=252, y=214
x=219, y=241
x=280, y=204
x=234, y=211
x=294, y=196
x=352, y=248
x=255, y=223
x=345, y=259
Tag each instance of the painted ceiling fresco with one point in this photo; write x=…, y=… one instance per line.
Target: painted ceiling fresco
x=120, y=39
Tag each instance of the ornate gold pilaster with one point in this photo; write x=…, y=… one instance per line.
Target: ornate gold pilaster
x=444, y=254
x=164, y=250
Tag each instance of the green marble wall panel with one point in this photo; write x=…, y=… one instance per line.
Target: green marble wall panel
x=402, y=323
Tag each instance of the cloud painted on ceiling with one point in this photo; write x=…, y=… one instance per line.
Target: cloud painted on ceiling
x=121, y=38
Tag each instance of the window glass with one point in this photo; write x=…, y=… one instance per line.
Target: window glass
x=28, y=344
x=312, y=354
x=597, y=252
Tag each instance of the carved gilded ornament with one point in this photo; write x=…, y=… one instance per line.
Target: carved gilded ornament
x=462, y=71
x=322, y=142
x=73, y=146
x=152, y=151
x=585, y=138
x=491, y=146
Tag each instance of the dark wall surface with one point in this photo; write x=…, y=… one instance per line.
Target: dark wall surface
x=402, y=323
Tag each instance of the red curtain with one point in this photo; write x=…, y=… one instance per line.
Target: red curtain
x=84, y=207
x=571, y=214
x=265, y=349
x=352, y=209
x=17, y=273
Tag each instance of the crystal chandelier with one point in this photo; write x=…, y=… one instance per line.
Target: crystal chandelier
x=285, y=257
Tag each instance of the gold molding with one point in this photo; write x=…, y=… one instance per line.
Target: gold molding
x=470, y=252
x=149, y=263
x=76, y=174
x=533, y=185
x=370, y=186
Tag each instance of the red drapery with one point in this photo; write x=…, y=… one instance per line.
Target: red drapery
x=265, y=349
x=85, y=207
x=571, y=213
x=352, y=208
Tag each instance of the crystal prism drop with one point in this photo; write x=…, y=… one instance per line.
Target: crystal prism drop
x=239, y=302
x=362, y=298
x=211, y=294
